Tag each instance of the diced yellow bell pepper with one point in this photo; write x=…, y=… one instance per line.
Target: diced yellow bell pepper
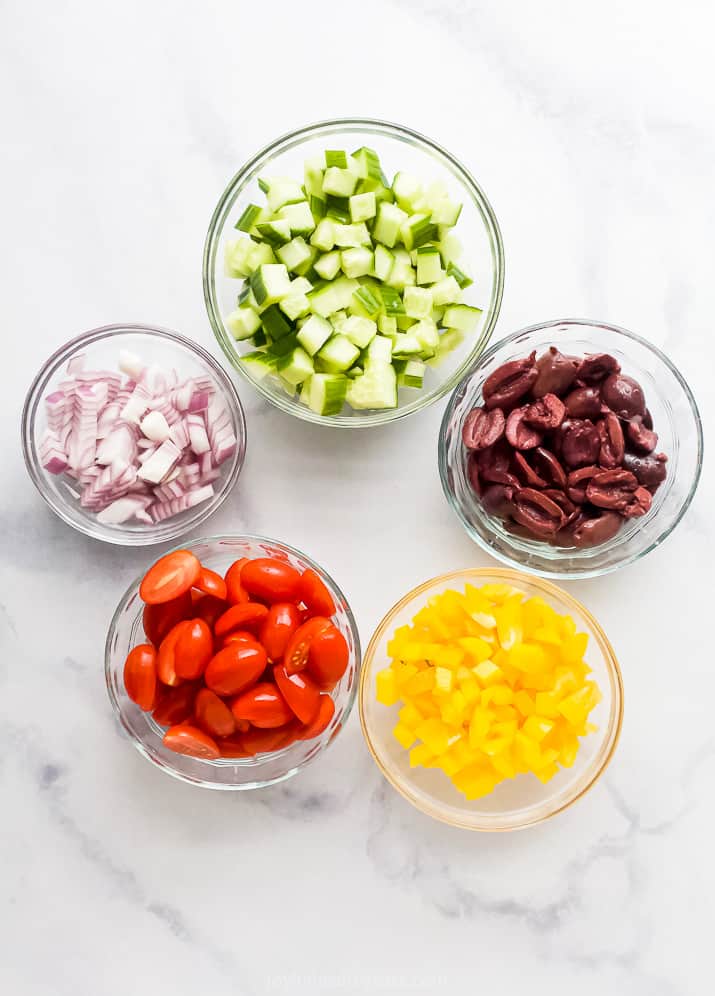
x=547, y=704
x=496, y=745
x=499, y=592
x=409, y=716
x=528, y=750
x=475, y=781
x=443, y=679
x=421, y=682
x=471, y=689
x=403, y=736
x=504, y=764
x=479, y=726
x=575, y=707
x=547, y=634
x=403, y=673
x=387, y=690
x=505, y=714
x=568, y=751
x=504, y=728
x=488, y=672
x=573, y=648
x=547, y=773
x=497, y=694
x=537, y=727
x=420, y=755
x=479, y=650
x=427, y=704
x=529, y=657
x=510, y=629
x=524, y=703
x=435, y=734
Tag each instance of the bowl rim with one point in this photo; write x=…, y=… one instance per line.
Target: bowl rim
x=33, y=398
x=586, y=571
x=182, y=776
x=611, y=735
x=296, y=137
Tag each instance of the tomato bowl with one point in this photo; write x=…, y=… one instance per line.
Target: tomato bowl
x=126, y=631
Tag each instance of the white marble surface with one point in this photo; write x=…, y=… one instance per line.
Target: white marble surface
x=591, y=129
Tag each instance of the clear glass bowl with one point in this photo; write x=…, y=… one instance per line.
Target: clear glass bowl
x=126, y=631
x=399, y=149
x=519, y=802
x=675, y=419
x=101, y=348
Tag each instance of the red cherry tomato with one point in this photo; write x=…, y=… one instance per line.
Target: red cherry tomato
x=233, y=746
x=159, y=619
x=242, y=616
x=239, y=636
x=315, y=595
x=295, y=657
x=140, y=676
x=235, y=667
x=170, y=577
x=270, y=580
x=300, y=692
x=213, y=715
x=257, y=741
x=328, y=657
x=188, y=739
x=174, y=705
x=211, y=583
x=326, y=711
x=209, y=608
x=166, y=662
x=193, y=649
x=281, y=622
x=235, y=592
x=263, y=706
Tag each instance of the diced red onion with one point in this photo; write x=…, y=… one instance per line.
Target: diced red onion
x=76, y=364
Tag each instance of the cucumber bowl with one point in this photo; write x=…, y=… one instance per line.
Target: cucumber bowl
x=353, y=272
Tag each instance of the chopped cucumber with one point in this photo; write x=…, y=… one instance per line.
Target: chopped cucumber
x=413, y=374
x=418, y=302
x=362, y=207
x=445, y=212
x=407, y=190
x=426, y=334
x=338, y=354
x=328, y=265
x=340, y=182
x=356, y=262
x=318, y=207
x=375, y=388
x=459, y=275
x=259, y=364
x=295, y=367
x=275, y=324
x=280, y=190
x=405, y=344
x=338, y=209
x=462, y=317
x=348, y=236
x=300, y=285
x=446, y=291
x=270, y=282
x=294, y=253
x=295, y=306
x=387, y=324
x=380, y=349
x=299, y=217
x=336, y=157
x=250, y=216
x=402, y=273
x=417, y=230
x=313, y=177
x=429, y=265
x=365, y=302
x=333, y=296
x=243, y=322
x=314, y=333
x=366, y=163
x=324, y=235
x=384, y=261
x=360, y=331
x=326, y=393
x=390, y=219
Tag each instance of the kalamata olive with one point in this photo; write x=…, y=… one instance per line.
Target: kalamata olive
x=613, y=446
x=580, y=443
x=549, y=467
x=537, y=512
x=592, y=532
x=623, y=395
x=640, y=503
x=650, y=470
x=473, y=474
x=578, y=482
x=510, y=382
x=640, y=438
x=648, y=419
x=583, y=402
x=493, y=464
x=527, y=474
x=611, y=489
x=483, y=428
x=596, y=366
x=546, y=413
x=496, y=500
x=564, y=503
x=556, y=373
x=518, y=433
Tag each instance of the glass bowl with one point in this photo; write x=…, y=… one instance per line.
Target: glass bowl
x=126, y=631
x=101, y=348
x=524, y=800
x=675, y=419
x=399, y=149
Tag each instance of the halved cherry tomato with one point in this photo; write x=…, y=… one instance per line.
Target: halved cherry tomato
x=233, y=747
x=140, y=676
x=281, y=622
x=235, y=592
x=188, y=739
x=326, y=711
x=213, y=715
x=315, y=595
x=270, y=580
x=174, y=705
x=209, y=608
x=295, y=657
x=300, y=692
x=242, y=616
x=166, y=661
x=328, y=657
x=170, y=577
x=263, y=706
x=257, y=741
x=235, y=667
x=211, y=583
x=193, y=649
x=159, y=619
x=239, y=636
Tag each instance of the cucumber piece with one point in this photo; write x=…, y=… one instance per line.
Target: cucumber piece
x=336, y=157
x=384, y=261
x=426, y=334
x=402, y=273
x=299, y=217
x=281, y=347
x=338, y=354
x=314, y=334
x=275, y=323
x=328, y=265
x=243, y=322
x=462, y=317
x=306, y=266
x=258, y=338
x=381, y=191
x=355, y=371
x=275, y=233
x=405, y=344
x=326, y=393
x=258, y=364
x=313, y=177
x=269, y=283
x=448, y=342
x=445, y=211
x=429, y=265
x=318, y=207
x=300, y=285
x=280, y=190
x=407, y=190
x=417, y=230
x=249, y=216
x=376, y=388
x=391, y=301
x=413, y=374
x=446, y=291
x=366, y=164
x=295, y=367
x=356, y=262
x=459, y=275
x=362, y=207
x=387, y=324
x=290, y=389
x=295, y=306
x=390, y=219
x=449, y=246
x=350, y=236
x=339, y=181
x=380, y=349
x=333, y=296
x=338, y=209
x=367, y=302
x=418, y=302
x=242, y=256
x=404, y=322
x=323, y=237
x=436, y=315
x=360, y=331
x=294, y=253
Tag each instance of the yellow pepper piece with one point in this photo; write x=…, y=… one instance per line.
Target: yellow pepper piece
x=529, y=657
x=497, y=694
x=477, y=648
x=435, y=734
x=410, y=716
x=488, y=672
x=510, y=629
x=387, y=690
x=537, y=727
x=504, y=764
x=403, y=736
x=471, y=689
x=499, y=592
x=546, y=774
x=574, y=647
x=442, y=679
x=528, y=750
x=524, y=703
x=403, y=673
x=420, y=755
x=423, y=681
x=479, y=726
x=547, y=704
